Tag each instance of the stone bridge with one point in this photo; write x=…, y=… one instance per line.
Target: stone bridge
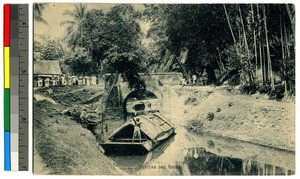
x=155, y=83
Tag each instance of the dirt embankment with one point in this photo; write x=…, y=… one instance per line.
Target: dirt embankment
x=254, y=118
x=61, y=144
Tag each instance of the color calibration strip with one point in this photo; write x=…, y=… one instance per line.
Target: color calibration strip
x=16, y=87
x=22, y=74
x=6, y=50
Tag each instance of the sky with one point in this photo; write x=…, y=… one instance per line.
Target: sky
x=53, y=14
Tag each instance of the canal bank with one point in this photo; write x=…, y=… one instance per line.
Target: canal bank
x=251, y=118
x=192, y=146
x=207, y=145
x=190, y=154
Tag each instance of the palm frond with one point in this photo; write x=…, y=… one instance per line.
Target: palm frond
x=68, y=13
x=74, y=29
x=40, y=19
x=70, y=30
x=37, y=12
x=39, y=7
x=68, y=22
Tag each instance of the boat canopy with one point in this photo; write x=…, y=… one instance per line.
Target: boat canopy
x=153, y=126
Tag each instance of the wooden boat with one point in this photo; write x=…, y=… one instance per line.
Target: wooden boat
x=136, y=161
x=155, y=129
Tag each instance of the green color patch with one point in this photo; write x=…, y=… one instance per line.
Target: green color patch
x=7, y=109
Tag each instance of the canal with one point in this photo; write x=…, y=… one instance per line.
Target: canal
x=188, y=154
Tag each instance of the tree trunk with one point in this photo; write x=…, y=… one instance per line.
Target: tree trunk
x=244, y=32
x=247, y=48
x=286, y=41
x=108, y=88
x=283, y=57
x=292, y=19
x=220, y=63
x=229, y=24
x=264, y=64
x=240, y=39
x=261, y=62
x=185, y=73
x=287, y=49
x=260, y=50
x=254, y=37
x=211, y=76
x=268, y=51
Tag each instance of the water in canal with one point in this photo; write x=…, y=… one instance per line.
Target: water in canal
x=190, y=154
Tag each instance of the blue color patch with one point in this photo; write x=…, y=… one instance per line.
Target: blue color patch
x=7, y=157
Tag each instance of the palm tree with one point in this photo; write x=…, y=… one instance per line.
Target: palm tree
x=74, y=26
x=37, y=12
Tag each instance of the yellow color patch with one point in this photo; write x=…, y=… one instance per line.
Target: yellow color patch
x=6, y=67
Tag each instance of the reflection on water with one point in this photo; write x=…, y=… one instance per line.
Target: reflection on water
x=187, y=154
x=201, y=162
x=130, y=164
x=133, y=163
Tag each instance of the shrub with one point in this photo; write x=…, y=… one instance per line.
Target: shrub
x=210, y=116
x=249, y=89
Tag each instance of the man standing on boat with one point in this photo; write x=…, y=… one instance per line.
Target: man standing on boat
x=137, y=129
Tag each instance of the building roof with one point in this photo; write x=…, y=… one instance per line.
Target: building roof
x=47, y=67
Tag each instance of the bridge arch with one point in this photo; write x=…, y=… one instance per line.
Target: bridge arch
x=139, y=95
x=124, y=91
x=151, y=92
x=154, y=83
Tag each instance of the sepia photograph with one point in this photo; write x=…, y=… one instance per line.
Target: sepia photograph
x=163, y=89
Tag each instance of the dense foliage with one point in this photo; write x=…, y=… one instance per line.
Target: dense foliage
x=250, y=44
x=247, y=44
x=49, y=50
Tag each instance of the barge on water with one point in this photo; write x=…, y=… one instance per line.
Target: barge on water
x=154, y=128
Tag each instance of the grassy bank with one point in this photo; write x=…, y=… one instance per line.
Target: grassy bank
x=63, y=146
x=249, y=118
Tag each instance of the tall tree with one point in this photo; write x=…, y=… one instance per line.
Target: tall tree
x=112, y=35
x=249, y=71
x=260, y=45
x=254, y=38
x=291, y=12
x=74, y=27
x=229, y=24
x=79, y=62
x=38, y=9
x=244, y=38
x=199, y=29
x=52, y=50
x=114, y=42
x=48, y=50
x=270, y=71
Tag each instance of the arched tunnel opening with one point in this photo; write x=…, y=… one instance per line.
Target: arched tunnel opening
x=140, y=102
